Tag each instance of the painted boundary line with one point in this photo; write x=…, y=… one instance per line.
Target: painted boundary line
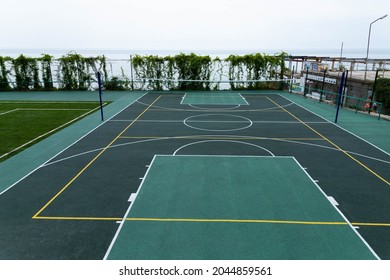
x=35, y=169
x=334, y=145
x=243, y=98
x=118, y=219
x=211, y=95
x=202, y=220
x=127, y=212
x=183, y=98
x=342, y=128
x=192, y=220
x=162, y=108
x=341, y=214
x=42, y=101
x=92, y=161
x=7, y=112
x=180, y=121
x=144, y=139
x=49, y=132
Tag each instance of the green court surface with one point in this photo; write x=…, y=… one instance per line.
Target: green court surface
x=233, y=207
x=82, y=193
x=213, y=98
x=367, y=127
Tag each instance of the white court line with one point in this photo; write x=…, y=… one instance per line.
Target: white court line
x=218, y=130
x=333, y=201
x=337, y=126
x=183, y=98
x=338, y=210
x=180, y=121
x=243, y=99
x=55, y=109
x=11, y=111
x=228, y=156
x=216, y=109
x=220, y=96
x=44, y=109
x=132, y=197
x=47, y=133
x=45, y=102
x=190, y=137
x=45, y=163
x=213, y=109
x=127, y=212
x=229, y=141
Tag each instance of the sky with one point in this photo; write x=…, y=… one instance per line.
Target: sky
x=194, y=24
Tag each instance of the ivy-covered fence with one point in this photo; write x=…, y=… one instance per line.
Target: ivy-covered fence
x=147, y=72
x=70, y=72
x=203, y=72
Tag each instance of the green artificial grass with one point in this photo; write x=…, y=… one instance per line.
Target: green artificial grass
x=23, y=123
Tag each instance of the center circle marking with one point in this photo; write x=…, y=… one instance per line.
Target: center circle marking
x=214, y=121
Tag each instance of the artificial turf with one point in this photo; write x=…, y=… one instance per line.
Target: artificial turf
x=23, y=123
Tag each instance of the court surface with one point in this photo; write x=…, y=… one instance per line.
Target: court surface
x=196, y=176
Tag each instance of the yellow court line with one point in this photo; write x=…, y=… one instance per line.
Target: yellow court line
x=234, y=221
x=333, y=144
x=78, y=218
x=256, y=221
x=209, y=221
x=93, y=160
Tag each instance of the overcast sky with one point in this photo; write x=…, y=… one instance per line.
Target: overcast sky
x=193, y=24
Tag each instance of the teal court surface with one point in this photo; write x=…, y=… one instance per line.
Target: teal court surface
x=199, y=175
x=233, y=208
x=213, y=98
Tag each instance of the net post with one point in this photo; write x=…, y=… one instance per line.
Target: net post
x=307, y=76
x=373, y=91
x=131, y=72
x=100, y=95
x=292, y=79
x=339, y=97
x=323, y=86
x=344, y=96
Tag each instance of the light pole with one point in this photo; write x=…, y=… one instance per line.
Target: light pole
x=368, y=42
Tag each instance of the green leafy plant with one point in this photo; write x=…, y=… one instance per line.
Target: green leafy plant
x=77, y=72
x=47, y=77
x=193, y=67
x=4, y=72
x=26, y=73
x=151, y=72
x=382, y=93
x=248, y=68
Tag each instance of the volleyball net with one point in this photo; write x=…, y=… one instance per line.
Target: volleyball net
x=207, y=85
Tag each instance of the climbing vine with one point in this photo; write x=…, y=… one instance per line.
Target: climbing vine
x=150, y=66
x=78, y=73
x=26, y=73
x=250, y=68
x=47, y=76
x=193, y=67
x=148, y=72
x=4, y=72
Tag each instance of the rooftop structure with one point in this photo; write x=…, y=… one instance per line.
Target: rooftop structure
x=335, y=65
